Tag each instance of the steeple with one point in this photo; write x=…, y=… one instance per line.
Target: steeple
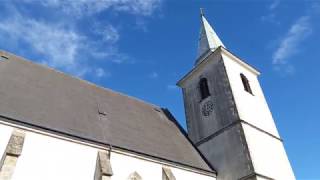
x=228, y=118
x=208, y=40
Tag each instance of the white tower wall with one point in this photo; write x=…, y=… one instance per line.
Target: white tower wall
x=252, y=108
x=265, y=146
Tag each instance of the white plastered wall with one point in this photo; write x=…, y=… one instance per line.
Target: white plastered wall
x=268, y=155
x=251, y=108
x=123, y=166
x=261, y=178
x=50, y=158
x=5, y=133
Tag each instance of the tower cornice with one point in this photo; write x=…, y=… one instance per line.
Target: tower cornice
x=222, y=51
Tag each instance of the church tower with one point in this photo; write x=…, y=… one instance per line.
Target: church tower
x=228, y=118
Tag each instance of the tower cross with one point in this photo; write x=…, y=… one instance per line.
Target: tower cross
x=201, y=11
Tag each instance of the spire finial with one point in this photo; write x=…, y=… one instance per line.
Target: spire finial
x=208, y=40
x=201, y=12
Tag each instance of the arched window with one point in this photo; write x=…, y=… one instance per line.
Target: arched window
x=167, y=174
x=204, y=88
x=134, y=176
x=246, y=83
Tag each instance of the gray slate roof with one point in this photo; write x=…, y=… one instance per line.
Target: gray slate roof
x=49, y=99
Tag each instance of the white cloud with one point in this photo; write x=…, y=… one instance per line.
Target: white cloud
x=153, y=75
x=316, y=7
x=271, y=16
x=112, y=54
x=172, y=87
x=60, y=46
x=59, y=42
x=285, y=70
x=99, y=72
x=108, y=32
x=88, y=7
x=289, y=45
x=141, y=24
x=142, y=7
x=274, y=4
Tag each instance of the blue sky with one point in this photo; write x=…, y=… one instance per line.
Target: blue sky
x=143, y=47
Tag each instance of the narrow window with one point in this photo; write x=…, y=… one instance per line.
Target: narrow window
x=245, y=83
x=204, y=89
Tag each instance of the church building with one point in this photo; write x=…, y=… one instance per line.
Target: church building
x=57, y=127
